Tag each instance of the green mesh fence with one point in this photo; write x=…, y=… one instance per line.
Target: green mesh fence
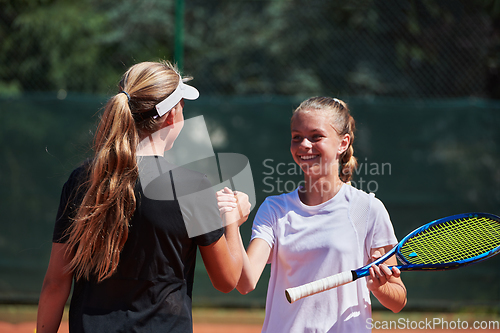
x=424, y=160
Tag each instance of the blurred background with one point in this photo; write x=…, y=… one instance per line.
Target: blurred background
x=421, y=77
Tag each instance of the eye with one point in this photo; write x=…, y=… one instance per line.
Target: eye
x=317, y=137
x=296, y=137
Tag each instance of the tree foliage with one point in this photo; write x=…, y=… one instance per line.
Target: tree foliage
x=413, y=48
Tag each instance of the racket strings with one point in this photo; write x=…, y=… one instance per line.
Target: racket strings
x=452, y=241
x=464, y=239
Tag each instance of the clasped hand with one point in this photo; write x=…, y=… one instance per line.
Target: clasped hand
x=234, y=206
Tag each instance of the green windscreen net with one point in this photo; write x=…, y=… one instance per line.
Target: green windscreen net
x=424, y=159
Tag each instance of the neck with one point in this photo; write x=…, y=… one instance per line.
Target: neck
x=318, y=190
x=151, y=145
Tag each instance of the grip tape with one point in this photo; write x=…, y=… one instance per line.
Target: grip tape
x=330, y=282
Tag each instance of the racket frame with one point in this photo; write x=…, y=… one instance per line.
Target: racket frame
x=407, y=266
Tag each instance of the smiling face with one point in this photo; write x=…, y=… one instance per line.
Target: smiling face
x=316, y=145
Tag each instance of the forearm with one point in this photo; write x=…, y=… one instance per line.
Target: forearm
x=392, y=295
x=247, y=280
x=233, y=239
x=55, y=290
x=51, y=307
x=223, y=260
x=254, y=261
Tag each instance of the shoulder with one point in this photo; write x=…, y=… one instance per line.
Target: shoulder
x=365, y=206
x=184, y=175
x=353, y=192
x=82, y=171
x=77, y=177
x=187, y=174
x=359, y=199
x=72, y=195
x=161, y=179
x=273, y=209
x=370, y=199
x=280, y=202
x=188, y=182
x=152, y=167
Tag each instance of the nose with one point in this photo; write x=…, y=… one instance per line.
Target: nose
x=306, y=143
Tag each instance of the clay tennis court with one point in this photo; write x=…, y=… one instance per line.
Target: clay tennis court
x=214, y=328
x=28, y=327
x=22, y=319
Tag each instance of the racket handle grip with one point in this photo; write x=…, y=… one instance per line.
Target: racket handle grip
x=330, y=282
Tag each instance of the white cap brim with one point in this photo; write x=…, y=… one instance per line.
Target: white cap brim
x=183, y=91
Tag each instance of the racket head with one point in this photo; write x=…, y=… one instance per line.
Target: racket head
x=450, y=242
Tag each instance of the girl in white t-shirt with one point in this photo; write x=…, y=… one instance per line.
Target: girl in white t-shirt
x=322, y=228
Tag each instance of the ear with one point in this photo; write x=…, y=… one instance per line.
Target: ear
x=169, y=118
x=344, y=144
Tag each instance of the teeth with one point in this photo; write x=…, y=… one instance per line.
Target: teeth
x=308, y=157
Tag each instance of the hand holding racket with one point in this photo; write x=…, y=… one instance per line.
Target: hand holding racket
x=447, y=243
x=380, y=274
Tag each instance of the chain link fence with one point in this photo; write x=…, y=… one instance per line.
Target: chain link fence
x=417, y=49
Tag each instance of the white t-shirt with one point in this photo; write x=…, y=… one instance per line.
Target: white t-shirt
x=312, y=242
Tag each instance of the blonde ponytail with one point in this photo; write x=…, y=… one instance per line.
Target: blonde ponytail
x=101, y=223
x=100, y=227
x=348, y=163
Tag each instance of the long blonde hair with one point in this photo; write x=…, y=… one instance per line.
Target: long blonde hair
x=343, y=123
x=100, y=228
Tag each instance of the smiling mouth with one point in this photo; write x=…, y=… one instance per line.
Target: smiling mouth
x=308, y=157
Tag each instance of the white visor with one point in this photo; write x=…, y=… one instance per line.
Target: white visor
x=182, y=91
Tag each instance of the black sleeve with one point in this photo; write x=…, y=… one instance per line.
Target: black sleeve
x=193, y=192
x=209, y=238
x=71, y=197
x=201, y=214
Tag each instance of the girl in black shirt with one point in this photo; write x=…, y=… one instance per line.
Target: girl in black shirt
x=131, y=256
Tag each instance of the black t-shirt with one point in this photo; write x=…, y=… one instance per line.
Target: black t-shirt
x=151, y=291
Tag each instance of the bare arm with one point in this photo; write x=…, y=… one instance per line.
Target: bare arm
x=386, y=284
x=223, y=259
x=254, y=261
x=55, y=291
x=255, y=258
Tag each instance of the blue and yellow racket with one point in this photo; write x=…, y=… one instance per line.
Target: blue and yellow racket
x=447, y=243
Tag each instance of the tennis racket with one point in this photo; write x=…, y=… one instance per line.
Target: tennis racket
x=447, y=243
